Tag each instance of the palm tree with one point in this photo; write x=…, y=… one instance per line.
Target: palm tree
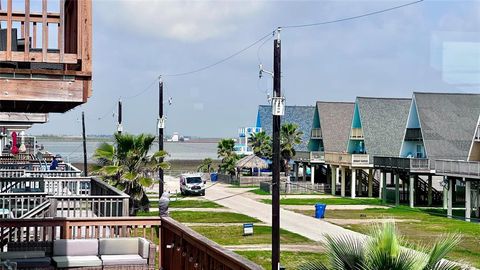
x=226, y=151
x=261, y=144
x=384, y=251
x=128, y=166
x=290, y=136
x=225, y=148
x=205, y=166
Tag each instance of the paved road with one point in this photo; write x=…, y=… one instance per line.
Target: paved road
x=309, y=227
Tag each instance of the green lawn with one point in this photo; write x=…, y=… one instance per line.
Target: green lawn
x=259, y=192
x=233, y=235
x=328, y=201
x=289, y=259
x=188, y=204
x=425, y=227
x=205, y=217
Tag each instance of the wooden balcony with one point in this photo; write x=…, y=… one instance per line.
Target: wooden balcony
x=356, y=134
x=414, y=165
x=316, y=133
x=347, y=159
x=179, y=246
x=39, y=76
x=458, y=168
x=317, y=156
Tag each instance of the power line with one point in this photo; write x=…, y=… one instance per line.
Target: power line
x=264, y=39
x=220, y=61
x=351, y=18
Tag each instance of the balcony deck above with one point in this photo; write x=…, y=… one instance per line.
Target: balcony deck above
x=412, y=165
x=41, y=77
x=458, y=168
x=347, y=159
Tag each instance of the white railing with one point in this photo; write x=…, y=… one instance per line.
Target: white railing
x=419, y=164
x=477, y=134
x=458, y=168
x=317, y=156
x=67, y=197
x=356, y=133
x=360, y=159
x=316, y=133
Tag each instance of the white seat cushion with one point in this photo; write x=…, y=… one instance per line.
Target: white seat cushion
x=75, y=247
x=123, y=260
x=118, y=246
x=76, y=261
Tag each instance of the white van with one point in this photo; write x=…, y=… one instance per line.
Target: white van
x=192, y=184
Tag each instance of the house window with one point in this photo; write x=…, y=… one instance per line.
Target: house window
x=419, y=151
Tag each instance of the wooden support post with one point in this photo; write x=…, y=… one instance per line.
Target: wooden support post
x=342, y=182
x=411, y=189
x=468, y=200
x=397, y=189
x=44, y=31
x=27, y=30
x=450, y=197
x=353, y=183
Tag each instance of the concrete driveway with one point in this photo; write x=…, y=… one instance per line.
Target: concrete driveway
x=309, y=227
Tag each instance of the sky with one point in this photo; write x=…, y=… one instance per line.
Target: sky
x=429, y=46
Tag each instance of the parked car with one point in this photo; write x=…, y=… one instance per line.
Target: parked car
x=192, y=184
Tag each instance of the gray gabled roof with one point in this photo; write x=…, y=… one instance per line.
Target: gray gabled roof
x=335, y=122
x=448, y=122
x=383, y=123
x=300, y=115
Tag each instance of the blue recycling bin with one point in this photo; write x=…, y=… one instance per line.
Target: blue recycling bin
x=213, y=177
x=320, y=210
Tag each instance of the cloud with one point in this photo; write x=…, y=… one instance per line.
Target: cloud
x=188, y=21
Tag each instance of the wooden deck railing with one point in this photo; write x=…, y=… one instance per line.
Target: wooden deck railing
x=180, y=246
x=337, y=158
x=347, y=159
x=36, y=25
x=402, y=163
x=317, y=156
x=458, y=168
x=183, y=248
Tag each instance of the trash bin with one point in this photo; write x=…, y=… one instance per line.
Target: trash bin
x=320, y=210
x=213, y=177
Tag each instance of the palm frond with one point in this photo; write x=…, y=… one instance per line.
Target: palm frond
x=441, y=248
x=345, y=252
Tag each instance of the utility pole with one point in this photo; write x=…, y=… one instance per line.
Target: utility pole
x=119, y=126
x=276, y=101
x=85, y=168
x=161, y=125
